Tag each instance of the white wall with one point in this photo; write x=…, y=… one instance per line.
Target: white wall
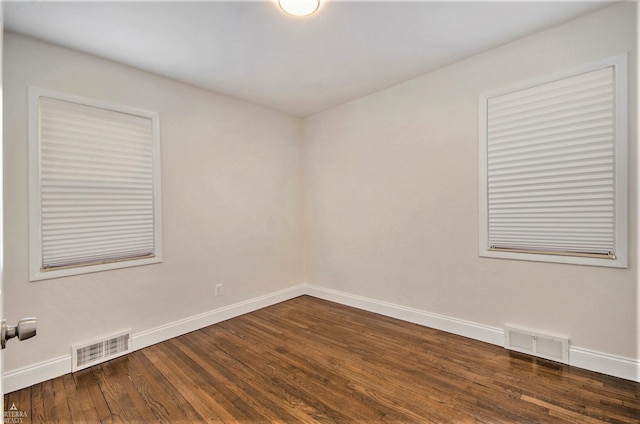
x=231, y=188
x=392, y=198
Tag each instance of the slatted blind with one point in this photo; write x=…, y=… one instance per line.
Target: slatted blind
x=551, y=167
x=96, y=185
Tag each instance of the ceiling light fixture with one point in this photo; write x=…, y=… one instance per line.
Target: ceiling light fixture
x=299, y=7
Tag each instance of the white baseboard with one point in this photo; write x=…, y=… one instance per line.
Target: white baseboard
x=604, y=363
x=439, y=322
x=33, y=374
x=37, y=373
x=579, y=357
x=196, y=322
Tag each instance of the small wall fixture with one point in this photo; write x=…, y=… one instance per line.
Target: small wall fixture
x=299, y=7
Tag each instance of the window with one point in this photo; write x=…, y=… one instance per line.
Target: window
x=94, y=186
x=553, y=168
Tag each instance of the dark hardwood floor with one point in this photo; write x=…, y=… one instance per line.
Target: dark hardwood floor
x=308, y=360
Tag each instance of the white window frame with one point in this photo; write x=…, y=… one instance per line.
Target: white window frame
x=35, y=216
x=620, y=260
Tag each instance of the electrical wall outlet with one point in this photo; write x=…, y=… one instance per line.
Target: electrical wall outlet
x=218, y=291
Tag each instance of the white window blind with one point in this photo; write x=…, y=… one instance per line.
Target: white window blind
x=97, y=193
x=553, y=165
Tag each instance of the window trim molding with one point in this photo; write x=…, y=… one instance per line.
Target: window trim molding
x=35, y=213
x=621, y=162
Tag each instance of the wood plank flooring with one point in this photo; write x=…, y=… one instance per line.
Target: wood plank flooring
x=307, y=360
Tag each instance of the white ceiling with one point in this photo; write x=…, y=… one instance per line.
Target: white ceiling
x=253, y=51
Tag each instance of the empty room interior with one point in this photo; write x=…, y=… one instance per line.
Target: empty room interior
x=364, y=211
